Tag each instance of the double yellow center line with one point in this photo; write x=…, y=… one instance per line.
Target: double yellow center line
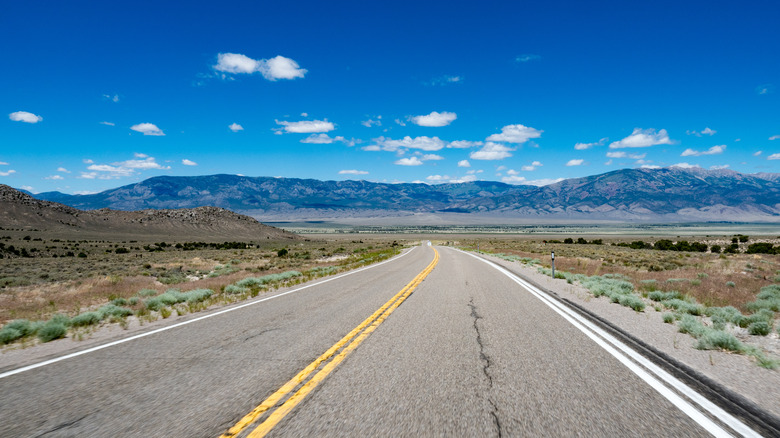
x=343, y=347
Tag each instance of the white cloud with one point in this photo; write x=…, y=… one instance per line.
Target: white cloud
x=491, y=151
x=765, y=89
x=306, y=126
x=424, y=143
x=370, y=122
x=108, y=123
x=531, y=167
x=87, y=161
x=513, y=179
x=758, y=153
x=353, y=172
x=775, y=137
x=114, y=98
x=145, y=164
x=438, y=179
x=148, y=129
x=304, y=114
x=326, y=139
x=512, y=172
x=272, y=69
x=516, y=134
x=721, y=167
x=578, y=162
x=24, y=116
x=686, y=166
x=527, y=57
x=411, y=161
x=773, y=157
x=445, y=80
x=122, y=168
x=140, y=155
x=584, y=146
x=642, y=138
x=3, y=163
x=715, y=150
x=621, y=154
x=400, y=122
x=235, y=127
x=88, y=175
x=55, y=177
x=431, y=157
x=649, y=166
x=187, y=162
x=434, y=119
x=7, y=173
x=464, y=163
x=464, y=144
x=705, y=131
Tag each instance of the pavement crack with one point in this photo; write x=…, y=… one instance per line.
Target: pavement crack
x=487, y=362
x=259, y=334
x=63, y=426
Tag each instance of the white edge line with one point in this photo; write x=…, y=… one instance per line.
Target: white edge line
x=580, y=323
x=162, y=329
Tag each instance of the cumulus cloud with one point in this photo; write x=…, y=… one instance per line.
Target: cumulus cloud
x=715, y=150
x=775, y=137
x=55, y=177
x=411, y=161
x=148, y=129
x=516, y=134
x=306, y=126
x=3, y=163
x=584, y=146
x=527, y=57
x=440, y=179
x=370, y=122
x=513, y=179
x=187, y=162
x=758, y=153
x=577, y=162
x=705, y=131
x=649, y=166
x=464, y=144
x=326, y=139
x=531, y=167
x=773, y=157
x=424, y=143
x=272, y=69
x=122, y=169
x=464, y=163
x=621, y=154
x=491, y=151
x=353, y=172
x=24, y=116
x=434, y=119
x=431, y=157
x=7, y=173
x=641, y=138
x=235, y=127
x=686, y=166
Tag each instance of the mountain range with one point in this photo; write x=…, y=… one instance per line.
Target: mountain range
x=626, y=195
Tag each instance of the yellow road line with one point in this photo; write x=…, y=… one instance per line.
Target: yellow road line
x=372, y=322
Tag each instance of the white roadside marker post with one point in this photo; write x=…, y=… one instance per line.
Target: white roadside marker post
x=552, y=256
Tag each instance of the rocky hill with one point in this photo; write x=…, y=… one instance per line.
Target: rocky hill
x=641, y=195
x=20, y=210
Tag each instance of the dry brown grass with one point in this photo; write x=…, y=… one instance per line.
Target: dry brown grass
x=707, y=276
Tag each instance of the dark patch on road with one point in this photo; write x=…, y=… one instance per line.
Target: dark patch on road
x=260, y=333
x=486, y=364
x=62, y=426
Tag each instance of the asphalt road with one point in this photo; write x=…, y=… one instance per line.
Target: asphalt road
x=468, y=353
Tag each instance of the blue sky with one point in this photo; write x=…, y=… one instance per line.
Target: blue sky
x=95, y=95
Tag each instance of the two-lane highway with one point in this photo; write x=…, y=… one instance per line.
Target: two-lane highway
x=430, y=343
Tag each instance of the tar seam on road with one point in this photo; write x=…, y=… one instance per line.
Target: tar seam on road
x=162, y=329
x=648, y=371
x=359, y=333
x=486, y=359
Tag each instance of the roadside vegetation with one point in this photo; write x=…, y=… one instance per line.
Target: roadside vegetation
x=50, y=296
x=726, y=299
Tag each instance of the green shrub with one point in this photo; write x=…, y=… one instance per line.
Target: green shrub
x=8, y=335
x=23, y=326
x=119, y=302
x=731, y=284
x=683, y=306
x=115, y=311
x=234, y=289
x=718, y=340
x=86, y=318
x=632, y=301
x=147, y=293
x=691, y=325
x=197, y=295
x=60, y=319
x=763, y=315
x=663, y=296
x=723, y=315
x=51, y=331
x=759, y=328
x=669, y=318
